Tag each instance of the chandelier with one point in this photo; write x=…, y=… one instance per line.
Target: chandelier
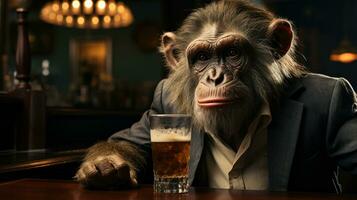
x=87, y=13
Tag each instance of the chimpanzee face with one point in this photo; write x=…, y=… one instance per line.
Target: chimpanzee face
x=218, y=63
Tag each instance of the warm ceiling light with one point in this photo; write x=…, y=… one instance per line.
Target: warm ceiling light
x=121, y=7
x=45, y=11
x=107, y=19
x=87, y=13
x=55, y=7
x=344, y=57
x=88, y=3
x=101, y=4
x=80, y=20
x=345, y=52
x=101, y=7
x=88, y=6
x=59, y=18
x=65, y=6
x=76, y=4
x=117, y=20
x=112, y=7
x=51, y=17
x=95, y=20
x=69, y=20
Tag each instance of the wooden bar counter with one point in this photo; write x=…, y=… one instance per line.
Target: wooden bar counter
x=31, y=189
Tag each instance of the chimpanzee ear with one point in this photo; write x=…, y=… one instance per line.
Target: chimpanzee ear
x=281, y=36
x=168, y=42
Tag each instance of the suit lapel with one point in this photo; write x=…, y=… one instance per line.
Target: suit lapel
x=282, y=137
x=197, y=142
x=283, y=134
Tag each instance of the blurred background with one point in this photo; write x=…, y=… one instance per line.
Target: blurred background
x=118, y=67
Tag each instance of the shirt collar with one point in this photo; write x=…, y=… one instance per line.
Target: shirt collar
x=259, y=123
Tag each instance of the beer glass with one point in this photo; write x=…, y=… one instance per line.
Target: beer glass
x=170, y=144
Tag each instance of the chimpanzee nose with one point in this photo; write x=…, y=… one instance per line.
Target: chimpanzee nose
x=215, y=76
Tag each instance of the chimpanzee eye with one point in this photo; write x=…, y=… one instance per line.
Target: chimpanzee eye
x=202, y=56
x=232, y=52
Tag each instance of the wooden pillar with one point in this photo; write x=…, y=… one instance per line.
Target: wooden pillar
x=3, y=36
x=30, y=131
x=23, y=58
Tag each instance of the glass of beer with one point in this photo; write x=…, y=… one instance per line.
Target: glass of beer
x=170, y=144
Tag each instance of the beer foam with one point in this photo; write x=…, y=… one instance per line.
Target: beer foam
x=169, y=135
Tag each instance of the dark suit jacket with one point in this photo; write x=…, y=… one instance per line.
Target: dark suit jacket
x=313, y=130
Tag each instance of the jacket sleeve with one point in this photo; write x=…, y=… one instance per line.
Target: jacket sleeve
x=342, y=126
x=138, y=135
x=139, y=132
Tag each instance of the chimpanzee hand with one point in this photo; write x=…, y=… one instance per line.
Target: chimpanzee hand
x=106, y=172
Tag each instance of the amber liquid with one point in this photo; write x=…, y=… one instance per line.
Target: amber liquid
x=170, y=159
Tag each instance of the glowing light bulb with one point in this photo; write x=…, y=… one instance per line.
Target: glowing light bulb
x=120, y=7
x=59, y=19
x=65, y=7
x=52, y=17
x=88, y=3
x=344, y=57
x=76, y=6
x=107, y=19
x=117, y=20
x=80, y=21
x=88, y=6
x=55, y=7
x=45, y=11
x=112, y=8
x=69, y=20
x=95, y=20
x=101, y=7
x=127, y=18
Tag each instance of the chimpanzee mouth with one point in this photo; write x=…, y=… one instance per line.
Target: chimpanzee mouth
x=215, y=102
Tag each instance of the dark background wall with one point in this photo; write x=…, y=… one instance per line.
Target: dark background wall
x=321, y=25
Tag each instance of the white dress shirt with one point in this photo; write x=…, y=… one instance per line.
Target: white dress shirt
x=246, y=169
